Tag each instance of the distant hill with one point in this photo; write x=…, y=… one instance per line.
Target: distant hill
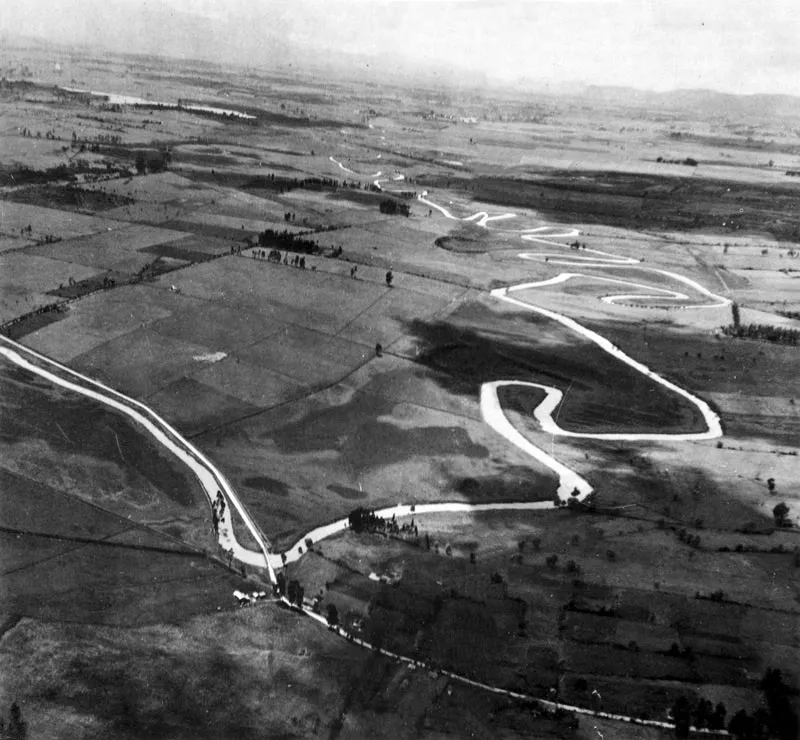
x=704, y=102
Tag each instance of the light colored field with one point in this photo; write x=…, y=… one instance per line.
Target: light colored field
x=277, y=292
x=140, y=362
x=143, y=212
x=192, y=406
x=771, y=406
x=218, y=327
x=163, y=187
x=308, y=356
x=235, y=222
x=15, y=302
x=49, y=221
x=24, y=272
x=250, y=382
x=119, y=250
x=12, y=242
x=391, y=318
x=100, y=317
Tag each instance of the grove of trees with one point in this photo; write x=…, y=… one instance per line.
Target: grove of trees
x=764, y=332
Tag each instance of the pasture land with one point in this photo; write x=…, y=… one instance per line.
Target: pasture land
x=120, y=250
x=15, y=217
x=77, y=446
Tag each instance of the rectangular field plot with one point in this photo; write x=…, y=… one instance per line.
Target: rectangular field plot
x=101, y=317
x=164, y=187
x=111, y=582
x=250, y=382
x=118, y=250
x=14, y=242
x=25, y=280
x=390, y=317
x=193, y=407
x=32, y=506
x=307, y=356
x=195, y=245
x=240, y=222
x=141, y=362
x=367, y=238
x=22, y=272
x=17, y=301
x=304, y=297
x=405, y=230
x=64, y=224
x=145, y=212
x=217, y=327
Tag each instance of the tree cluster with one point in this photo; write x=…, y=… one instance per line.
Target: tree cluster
x=285, y=184
x=366, y=520
x=703, y=715
x=392, y=207
x=764, y=332
x=689, y=162
x=152, y=160
x=292, y=590
x=287, y=241
x=777, y=720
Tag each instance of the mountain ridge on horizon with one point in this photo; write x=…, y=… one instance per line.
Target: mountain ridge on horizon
x=374, y=67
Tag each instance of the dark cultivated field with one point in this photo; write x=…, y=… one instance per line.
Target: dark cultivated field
x=601, y=394
x=64, y=559
x=67, y=423
x=723, y=365
x=639, y=201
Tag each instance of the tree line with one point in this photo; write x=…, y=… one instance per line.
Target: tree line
x=287, y=241
x=285, y=184
x=392, y=207
x=764, y=332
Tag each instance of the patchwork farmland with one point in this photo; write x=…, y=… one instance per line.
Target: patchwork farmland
x=518, y=449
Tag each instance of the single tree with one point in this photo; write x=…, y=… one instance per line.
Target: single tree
x=572, y=567
x=17, y=727
x=141, y=163
x=682, y=716
x=291, y=592
x=333, y=616
x=741, y=724
x=781, y=719
x=781, y=514
x=702, y=713
x=717, y=721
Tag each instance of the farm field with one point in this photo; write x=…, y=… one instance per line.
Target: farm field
x=371, y=296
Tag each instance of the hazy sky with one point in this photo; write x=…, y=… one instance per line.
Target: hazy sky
x=732, y=45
